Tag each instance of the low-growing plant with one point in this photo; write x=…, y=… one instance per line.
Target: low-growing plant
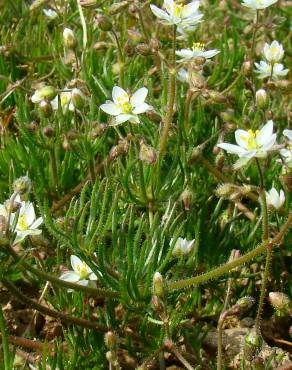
x=132, y=229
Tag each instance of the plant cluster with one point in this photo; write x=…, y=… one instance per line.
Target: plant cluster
x=128, y=212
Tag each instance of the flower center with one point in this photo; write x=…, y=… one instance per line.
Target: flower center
x=64, y=100
x=126, y=107
x=251, y=140
x=177, y=9
x=198, y=46
x=82, y=270
x=22, y=224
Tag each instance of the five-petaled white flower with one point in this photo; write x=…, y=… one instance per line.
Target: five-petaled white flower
x=186, y=17
x=286, y=155
x=182, y=246
x=26, y=224
x=275, y=71
x=251, y=144
x=198, y=50
x=258, y=4
x=275, y=199
x=124, y=107
x=274, y=52
x=81, y=273
x=65, y=98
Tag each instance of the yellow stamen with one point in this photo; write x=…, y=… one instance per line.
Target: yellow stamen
x=198, y=46
x=177, y=9
x=82, y=270
x=22, y=224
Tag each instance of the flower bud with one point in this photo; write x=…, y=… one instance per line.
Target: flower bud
x=225, y=190
x=153, y=116
x=69, y=39
x=147, y=153
x=228, y=115
x=22, y=185
x=158, y=285
x=129, y=48
x=110, y=340
x=46, y=108
x=279, y=300
x=103, y=23
x=135, y=36
x=262, y=99
x=101, y=45
x=78, y=99
x=247, y=68
x=186, y=197
x=245, y=303
x=44, y=93
x=157, y=304
x=252, y=344
x=49, y=131
x=143, y=49
x=117, y=7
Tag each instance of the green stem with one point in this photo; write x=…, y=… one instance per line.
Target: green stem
x=120, y=61
x=171, y=97
x=263, y=290
x=221, y=270
x=54, y=168
x=219, y=343
x=5, y=345
x=255, y=28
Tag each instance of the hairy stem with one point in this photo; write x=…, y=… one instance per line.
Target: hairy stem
x=171, y=97
x=5, y=344
x=221, y=270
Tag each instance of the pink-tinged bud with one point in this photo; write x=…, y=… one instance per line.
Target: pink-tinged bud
x=186, y=197
x=158, y=285
x=117, y=7
x=69, y=39
x=247, y=68
x=279, y=301
x=262, y=99
x=157, y=304
x=46, y=108
x=49, y=131
x=147, y=153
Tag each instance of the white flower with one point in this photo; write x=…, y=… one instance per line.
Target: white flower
x=258, y=4
x=288, y=134
x=81, y=273
x=198, y=50
x=275, y=199
x=43, y=93
x=182, y=246
x=50, y=13
x=27, y=224
x=273, y=53
x=251, y=144
x=287, y=156
x=183, y=75
x=124, y=107
x=264, y=70
x=65, y=101
x=184, y=16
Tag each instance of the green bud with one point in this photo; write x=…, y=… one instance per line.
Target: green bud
x=78, y=99
x=69, y=39
x=103, y=23
x=262, y=99
x=158, y=285
x=252, y=345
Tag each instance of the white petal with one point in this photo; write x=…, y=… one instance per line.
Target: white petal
x=70, y=276
x=282, y=197
x=75, y=261
x=83, y=282
x=265, y=133
x=268, y=145
x=210, y=53
x=92, y=276
x=29, y=213
x=241, y=162
x=185, y=54
x=169, y=5
x=119, y=95
x=142, y=108
x=37, y=223
x=111, y=108
x=121, y=118
x=242, y=137
x=160, y=13
x=230, y=148
x=190, y=9
x=288, y=134
x=139, y=97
